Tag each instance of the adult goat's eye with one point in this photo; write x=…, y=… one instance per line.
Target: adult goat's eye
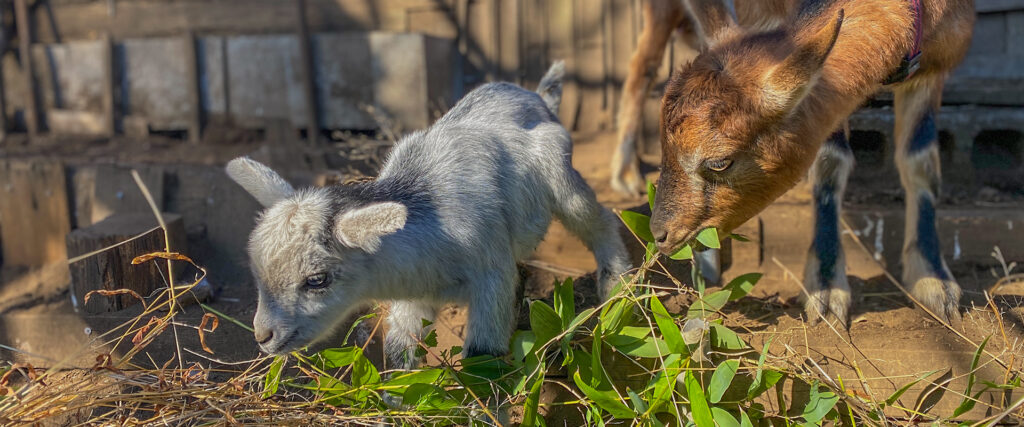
x=719, y=165
x=318, y=281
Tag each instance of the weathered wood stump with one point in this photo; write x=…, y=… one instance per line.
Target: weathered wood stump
x=113, y=269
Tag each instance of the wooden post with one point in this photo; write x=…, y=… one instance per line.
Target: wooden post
x=110, y=80
x=112, y=269
x=308, y=75
x=23, y=21
x=191, y=53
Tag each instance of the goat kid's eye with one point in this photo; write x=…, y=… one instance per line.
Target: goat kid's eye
x=719, y=165
x=318, y=281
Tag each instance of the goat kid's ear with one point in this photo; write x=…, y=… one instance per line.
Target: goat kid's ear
x=364, y=227
x=263, y=183
x=787, y=83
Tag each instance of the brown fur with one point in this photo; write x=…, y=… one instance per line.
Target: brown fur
x=767, y=99
x=699, y=22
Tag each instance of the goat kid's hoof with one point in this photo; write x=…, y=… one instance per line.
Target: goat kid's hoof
x=941, y=297
x=628, y=185
x=830, y=304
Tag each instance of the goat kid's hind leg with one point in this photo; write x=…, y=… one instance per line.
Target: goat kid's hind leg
x=405, y=330
x=827, y=290
x=578, y=210
x=661, y=17
x=925, y=273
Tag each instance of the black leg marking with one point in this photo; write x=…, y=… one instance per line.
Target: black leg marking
x=474, y=351
x=838, y=140
x=925, y=135
x=826, y=232
x=928, y=236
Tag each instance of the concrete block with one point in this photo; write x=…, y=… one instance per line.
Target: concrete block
x=154, y=79
x=73, y=78
x=264, y=78
x=401, y=83
x=344, y=82
x=77, y=122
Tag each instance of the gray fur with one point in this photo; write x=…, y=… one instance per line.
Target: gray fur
x=480, y=188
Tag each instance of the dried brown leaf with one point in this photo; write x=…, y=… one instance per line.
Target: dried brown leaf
x=114, y=292
x=202, y=330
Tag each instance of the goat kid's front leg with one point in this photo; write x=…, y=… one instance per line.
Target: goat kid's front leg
x=405, y=331
x=661, y=17
x=492, y=310
x=917, y=157
x=827, y=290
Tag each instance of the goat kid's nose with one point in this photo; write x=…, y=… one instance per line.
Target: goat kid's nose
x=264, y=336
x=659, y=233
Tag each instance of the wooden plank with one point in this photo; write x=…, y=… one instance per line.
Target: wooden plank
x=33, y=211
x=308, y=75
x=25, y=54
x=192, y=72
x=988, y=6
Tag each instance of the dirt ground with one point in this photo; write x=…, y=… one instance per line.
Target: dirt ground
x=887, y=334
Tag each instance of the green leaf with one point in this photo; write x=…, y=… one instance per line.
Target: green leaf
x=431, y=339
x=639, y=224
x=607, y=400
x=723, y=338
x=764, y=380
x=650, y=348
x=544, y=322
x=739, y=237
x=579, y=319
x=698, y=403
x=616, y=316
x=709, y=237
x=427, y=397
x=532, y=402
x=667, y=325
x=819, y=403
x=340, y=357
x=273, y=379
x=363, y=372
x=522, y=344
x=638, y=403
x=721, y=379
x=708, y=305
x=744, y=419
x=968, y=403
x=741, y=285
x=427, y=376
x=723, y=418
x=896, y=395
x=650, y=194
x=565, y=302
x=686, y=252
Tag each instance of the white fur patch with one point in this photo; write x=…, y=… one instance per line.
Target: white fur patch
x=364, y=227
x=263, y=183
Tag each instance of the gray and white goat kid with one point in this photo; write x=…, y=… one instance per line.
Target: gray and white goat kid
x=454, y=208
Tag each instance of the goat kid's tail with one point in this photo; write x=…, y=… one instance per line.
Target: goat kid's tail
x=550, y=87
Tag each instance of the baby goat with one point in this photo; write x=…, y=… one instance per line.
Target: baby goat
x=454, y=208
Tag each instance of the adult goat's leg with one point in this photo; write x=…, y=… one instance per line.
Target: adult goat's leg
x=917, y=157
x=661, y=17
x=828, y=293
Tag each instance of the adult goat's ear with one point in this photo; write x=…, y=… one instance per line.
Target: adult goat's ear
x=788, y=82
x=263, y=183
x=364, y=227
